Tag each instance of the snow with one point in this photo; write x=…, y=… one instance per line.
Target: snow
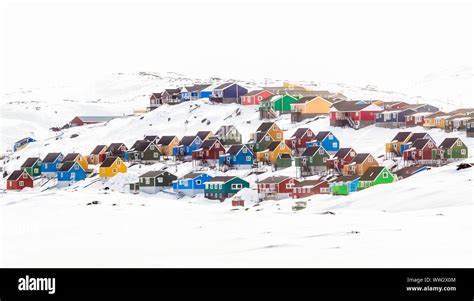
x=422, y=221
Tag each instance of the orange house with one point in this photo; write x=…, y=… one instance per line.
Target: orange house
x=76, y=157
x=166, y=144
x=275, y=149
x=359, y=165
x=435, y=120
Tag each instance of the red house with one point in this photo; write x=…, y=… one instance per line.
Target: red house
x=309, y=187
x=84, y=120
x=275, y=188
x=356, y=114
x=297, y=142
x=397, y=105
x=208, y=153
x=417, y=119
x=343, y=157
x=254, y=97
x=18, y=180
x=421, y=150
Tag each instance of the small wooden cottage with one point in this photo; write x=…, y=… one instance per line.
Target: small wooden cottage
x=144, y=151
x=208, y=154
x=171, y=96
x=271, y=153
x=470, y=128
x=451, y=149
x=397, y=146
x=374, y=176
x=308, y=188
x=228, y=93
x=155, y=101
x=408, y=171
x=457, y=122
x=228, y=135
x=435, y=120
x=312, y=161
x=275, y=187
x=255, y=97
x=76, y=157
x=343, y=157
x=297, y=142
x=86, y=120
x=111, y=167
x=153, y=181
x=420, y=151
x=417, y=119
x=237, y=156
x=32, y=166
x=18, y=180
x=204, y=135
x=69, y=172
x=22, y=143
x=274, y=106
x=117, y=150
x=222, y=187
x=51, y=163
x=327, y=140
x=359, y=164
x=167, y=144
x=393, y=118
x=355, y=114
x=192, y=183
x=97, y=155
x=309, y=107
x=266, y=133
x=184, y=149
x=344, y=185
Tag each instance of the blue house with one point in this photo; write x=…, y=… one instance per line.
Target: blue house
x=237, y=156
x=192, y=183
x=186, y=146
x=228, y=93
x=22, y=143
x=195, y=92
x=344, y=185
x=327, y=140
x=51, y=163
x=70, y=172
x=393, y=118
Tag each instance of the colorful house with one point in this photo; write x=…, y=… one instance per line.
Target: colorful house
x=283, y=160
x=398, y=144
x=275, y=106
x=266, y=133
x=374, y=176
x=309, y=107
x=222, y=187
x=271, y=153
x=421, y=150
x=343, y=157
x=97, y=155
x=184, y=149
x=457, y=122
x=408, y=171
x=344, y=185
x=255, y=97
x=417, y=119
x=145, y=152
x=204, y=135
x=194, y=92
x=327, y=140
x=312, y=161
x=355, y=114
x=32, y=166
x=155, y=101
x=153, y=181
x=76, y=157
x=359, y=165
x=393, y=118
x=470, y=128
x=297, y=142
x=22, y=143
x=192, y=183
x=152, y=138
x=117, y=150
x=111, y=167
x=228, y=93
x=167, y=144
x=451, y=149
x=171, y=96
x=51, y=163
x=275, y=187
x=208, y=154
x=86, y=120
x=70, y=171
x=308, y=188
x=435, y=120
x=237, y=156
x=18, y=180
x=229, y=135
x=395, y=105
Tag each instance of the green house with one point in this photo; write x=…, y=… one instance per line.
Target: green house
x=312, y=160
x=153, y=181
x=281, y=103
x=144, y=151
x=32, y=166
x=344, y=185
x=450, y=149
x=374, y=176
x=283, y=161
x=222, y=187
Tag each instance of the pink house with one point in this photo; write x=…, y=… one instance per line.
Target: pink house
x=254, y=97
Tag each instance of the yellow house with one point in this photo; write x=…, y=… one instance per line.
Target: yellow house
x=112, y=166
x=311, y=105
x=395, y=145
x=435, y=120
x=272, y=152
x=166, y=144
x=76, y=157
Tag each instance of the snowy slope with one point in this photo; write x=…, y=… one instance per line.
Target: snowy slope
x=422, y=221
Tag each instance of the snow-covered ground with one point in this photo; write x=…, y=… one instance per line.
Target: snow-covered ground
x=422, y=221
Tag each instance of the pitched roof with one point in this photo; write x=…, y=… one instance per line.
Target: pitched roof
x=152, y=174
x=448, y=142
x=66, y=166
x=437, y=114
x=420, y=143
x=108, y=161
x=51, y=157
x=307, y=183
x=30, y=162
x=151, y=137
x=136, y=143
x=197, y=87
x=234, y=149
x=321, y=135
x=223, y=86
x=273, y=145
x=225, y=129
x=207, y=144
x=310, y=151
x=273, y=180
x=166, y=140
x=461, y=111
x=114, y=148
x=187, y=140
x=300, y=133
x=350, y=106
x=192, y=175
x=346, y=178
x=284, y=156
x=372, y=173
x=203, y=134
x=401, y=136
x=96, y=118
x=416, y=136
x=98, y=149
x=15, y=175
x=255, y=92
x=360, y=158
x=173, y=91
x=265, y=126
x=142, y=145
x=342, y=152
x=223, y=179
x=408, y=170
x=304, y=99
x=71, y=157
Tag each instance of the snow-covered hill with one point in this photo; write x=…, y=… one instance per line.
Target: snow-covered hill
x=425, y=220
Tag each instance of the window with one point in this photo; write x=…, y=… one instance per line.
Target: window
x=459, y=143
x=142, y=155
x=331, y=137
x=114, y=170
x=278, y=136
x=76, y=167
x=310, y=134
x=46, y=165
x=353, y=154
x=311, y=160
x=160, y=180
x=259, y=98
x=248, y=158
x=385, y=175
x=198, y=182
x=463, y=151
x=325, y=159
x=57, y=165
x=155, y=155
x=334, y=144
x=10, y=183
x=244, y=150
x=321, y=151
x=236, y=186
x=22, y=183
x=220, y=186
x=371, y=159
x=152, y=147
x=147, y=181
x=25, y=176
x=282, y=146
x=267, y=138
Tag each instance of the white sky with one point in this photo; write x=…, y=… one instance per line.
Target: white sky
x=44, y=43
